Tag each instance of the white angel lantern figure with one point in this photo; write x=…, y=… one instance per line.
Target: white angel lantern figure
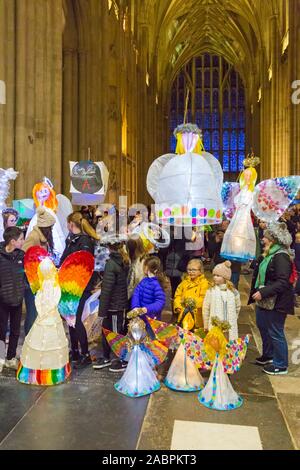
x=187, y=187
x=142, y=355
x=45, y=354
x=239, y=242
x=268, y=200
x=183, y=374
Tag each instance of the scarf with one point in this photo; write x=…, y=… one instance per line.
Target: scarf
x=261, y=278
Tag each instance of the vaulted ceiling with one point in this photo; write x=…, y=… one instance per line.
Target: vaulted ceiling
x=181, y=29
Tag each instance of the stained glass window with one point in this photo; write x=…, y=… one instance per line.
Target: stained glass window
x=207, y=98
x=206, y=140
x=220, y=113
x=215, y=140
x=233, y=161
x=206, y=119
x=226, y=140
x=233, y=141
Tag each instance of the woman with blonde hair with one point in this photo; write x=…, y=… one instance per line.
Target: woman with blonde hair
x=82, y=238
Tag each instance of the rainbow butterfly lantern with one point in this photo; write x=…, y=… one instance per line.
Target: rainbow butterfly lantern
x=214, y=353
x=142, y=355
x=73, y=277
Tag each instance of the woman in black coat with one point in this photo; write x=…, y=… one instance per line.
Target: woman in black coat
x=273, y=292
x=113, y=298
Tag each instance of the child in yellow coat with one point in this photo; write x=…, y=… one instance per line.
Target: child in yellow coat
x=193, y=287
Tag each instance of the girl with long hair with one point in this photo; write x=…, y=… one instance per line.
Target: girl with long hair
x=137, y=254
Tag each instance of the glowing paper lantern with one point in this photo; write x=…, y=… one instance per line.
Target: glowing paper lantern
x=89, y=182
x=187, y=187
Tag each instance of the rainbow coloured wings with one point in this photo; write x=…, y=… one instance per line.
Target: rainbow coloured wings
x=32, y=259
x=232, y=360
x=166, y=333
x=169, y=334
x=155, y=351
x=74, y=275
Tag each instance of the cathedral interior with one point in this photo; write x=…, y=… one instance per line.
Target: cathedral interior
x=109, y=81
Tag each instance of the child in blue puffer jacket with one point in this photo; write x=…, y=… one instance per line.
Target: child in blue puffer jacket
x=149, y=293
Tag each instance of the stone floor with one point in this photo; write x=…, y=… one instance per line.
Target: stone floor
x=87, y=412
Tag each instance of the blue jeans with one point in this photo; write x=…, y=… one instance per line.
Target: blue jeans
x=31, y=312
x=235, y=279
x=271, y=327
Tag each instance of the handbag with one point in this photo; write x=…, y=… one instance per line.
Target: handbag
x=268, y=303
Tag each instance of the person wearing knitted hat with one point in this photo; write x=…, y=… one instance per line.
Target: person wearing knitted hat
x=222, y=300
x=41, y=235
x=272, y=290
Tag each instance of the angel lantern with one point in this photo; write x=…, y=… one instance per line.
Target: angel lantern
x=268, y=200
x=143, y=355
x=223, y=358
x=187, y=187
x=45, y=353
x=183, y=375
x=59, y=206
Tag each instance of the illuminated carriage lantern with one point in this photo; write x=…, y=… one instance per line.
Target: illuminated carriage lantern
x=187, y=187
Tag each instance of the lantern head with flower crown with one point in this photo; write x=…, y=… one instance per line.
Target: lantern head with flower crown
x=187, y=187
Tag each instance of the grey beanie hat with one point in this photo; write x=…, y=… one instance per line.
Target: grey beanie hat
x=278, y=232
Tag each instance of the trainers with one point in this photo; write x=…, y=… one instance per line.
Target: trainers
x=273, y=370
x=2, y=362
x=12, y=363
x=118, y=366
x=101, y=363
x=83, y=362
x=263, y=360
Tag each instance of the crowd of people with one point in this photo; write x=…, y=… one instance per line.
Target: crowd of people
x=130, y=276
